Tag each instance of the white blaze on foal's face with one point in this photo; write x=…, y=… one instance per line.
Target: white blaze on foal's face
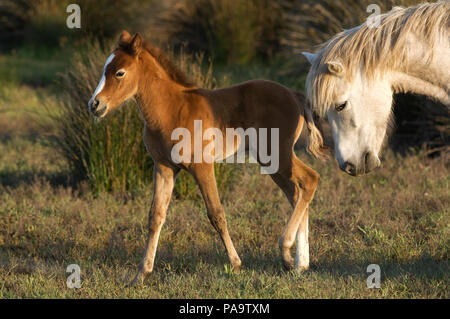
x=358, y=116
x=100, y=86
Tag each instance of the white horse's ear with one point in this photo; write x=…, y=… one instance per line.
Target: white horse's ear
x=311, y=57
x=335, y=68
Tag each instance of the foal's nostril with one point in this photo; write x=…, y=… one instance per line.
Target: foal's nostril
x=93, y=104
x=349, y=168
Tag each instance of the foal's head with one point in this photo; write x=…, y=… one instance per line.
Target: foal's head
x=120, y=77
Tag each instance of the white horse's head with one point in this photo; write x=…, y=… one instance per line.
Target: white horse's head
x=354, y=75
x=358, y=110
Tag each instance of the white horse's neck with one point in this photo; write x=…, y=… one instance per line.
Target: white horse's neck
x=429, y=77
x=404, y=83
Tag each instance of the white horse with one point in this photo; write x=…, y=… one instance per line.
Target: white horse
x=354, y=75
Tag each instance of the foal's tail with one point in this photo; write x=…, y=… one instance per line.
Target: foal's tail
x=315, y=144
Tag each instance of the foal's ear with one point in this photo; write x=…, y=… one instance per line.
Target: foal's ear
x=335, y=68
x=124, y=38
x=136, y=43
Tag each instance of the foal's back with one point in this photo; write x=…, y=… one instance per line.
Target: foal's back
x=255, y=103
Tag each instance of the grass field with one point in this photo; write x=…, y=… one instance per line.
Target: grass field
x=398, y=217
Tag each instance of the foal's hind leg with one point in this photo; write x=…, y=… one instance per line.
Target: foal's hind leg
x=164, y=180
x=302, y=245
x=299, y=183
x=204, y=175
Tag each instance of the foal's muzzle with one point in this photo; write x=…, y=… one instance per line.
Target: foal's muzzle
x=97, y=108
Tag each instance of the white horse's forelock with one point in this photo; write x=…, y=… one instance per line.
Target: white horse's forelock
x=376, y=49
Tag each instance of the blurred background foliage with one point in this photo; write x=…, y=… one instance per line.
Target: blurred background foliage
x=217, y=42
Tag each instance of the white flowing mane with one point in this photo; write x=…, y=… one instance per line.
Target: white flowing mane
x=376, y=49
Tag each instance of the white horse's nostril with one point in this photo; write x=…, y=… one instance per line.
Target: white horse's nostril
x=366, y=158
x=371, y=161
x=349, y=168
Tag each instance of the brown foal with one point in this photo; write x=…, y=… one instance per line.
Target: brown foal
x=167, y=101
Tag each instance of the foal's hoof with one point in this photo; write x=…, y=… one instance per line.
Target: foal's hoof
x=236, y=269
x=138, y=279
x=301, y=269
x=236, y=264
x=288, y=265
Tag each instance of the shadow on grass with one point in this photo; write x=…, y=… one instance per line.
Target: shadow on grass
x=423, y=266
x=215, y=256
x=169, y=262
x=20, y=172
x=192, y=260
x=14, y=179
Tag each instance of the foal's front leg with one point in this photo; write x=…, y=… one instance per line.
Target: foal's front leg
x=204, y=175
x=164, y=180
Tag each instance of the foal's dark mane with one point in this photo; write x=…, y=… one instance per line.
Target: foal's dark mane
x=173, y=71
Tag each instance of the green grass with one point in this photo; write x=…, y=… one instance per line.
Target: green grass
x=32, y=66
x=397, y=218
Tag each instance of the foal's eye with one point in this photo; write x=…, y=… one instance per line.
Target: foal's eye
x=342, y=106
x=120, y=74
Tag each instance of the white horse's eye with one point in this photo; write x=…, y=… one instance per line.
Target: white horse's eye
x=120, y=74
x=341, y=106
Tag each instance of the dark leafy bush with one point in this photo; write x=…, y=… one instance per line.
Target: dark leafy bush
x=421, y=124
x=310, y=22
x=231, y=31
x=43, y=22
